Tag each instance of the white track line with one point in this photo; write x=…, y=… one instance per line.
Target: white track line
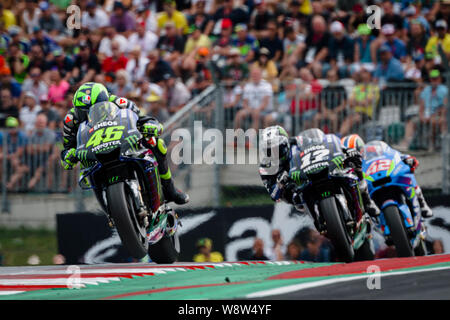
x=9, y=292
x=314, y=284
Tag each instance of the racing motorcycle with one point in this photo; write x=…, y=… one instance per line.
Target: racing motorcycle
x=124, y=177
x=328, y=189
x=392, y=186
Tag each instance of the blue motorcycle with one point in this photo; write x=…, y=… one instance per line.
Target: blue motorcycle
x=393, y=188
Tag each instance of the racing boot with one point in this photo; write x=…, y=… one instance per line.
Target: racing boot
x=425, y=209
x=173, y=194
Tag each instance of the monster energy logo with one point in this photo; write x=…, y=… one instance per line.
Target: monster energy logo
x=296, y=176
x=338, y=161
x=132, y=141
x=82, y=155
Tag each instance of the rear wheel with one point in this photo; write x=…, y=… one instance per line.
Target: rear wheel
x=165, y=250
x=398, y=232
x=336, y=230
x=133, y=235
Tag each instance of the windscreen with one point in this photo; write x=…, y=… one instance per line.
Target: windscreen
x=374, y=149
x=104, y=111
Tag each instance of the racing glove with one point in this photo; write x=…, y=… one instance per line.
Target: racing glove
x=354, y=157
x=152, y=128
x=70, y=159
x=412, y=162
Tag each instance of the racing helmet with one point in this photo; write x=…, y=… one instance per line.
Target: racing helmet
x=310, y=136
x=353, y=141
x=87, y=95
x=274, y=144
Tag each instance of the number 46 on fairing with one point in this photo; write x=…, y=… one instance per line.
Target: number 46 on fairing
x=105, y=135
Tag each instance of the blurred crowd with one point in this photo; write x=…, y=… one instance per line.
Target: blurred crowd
x=316, y=60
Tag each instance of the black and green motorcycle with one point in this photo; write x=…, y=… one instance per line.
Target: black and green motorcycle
x=124, y=177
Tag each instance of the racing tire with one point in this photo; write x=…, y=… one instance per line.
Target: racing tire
x=398, y=233
x=366, y=251
x=165, y=250
x=336, y=230
x=122, y=213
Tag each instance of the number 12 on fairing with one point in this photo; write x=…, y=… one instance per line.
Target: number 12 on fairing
x=313, y=157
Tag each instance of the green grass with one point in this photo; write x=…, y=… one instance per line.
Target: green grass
x=17, y=245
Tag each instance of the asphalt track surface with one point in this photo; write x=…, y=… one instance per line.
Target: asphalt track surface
x=398, y=278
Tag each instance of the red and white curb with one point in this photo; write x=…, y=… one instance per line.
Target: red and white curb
x=64, y=277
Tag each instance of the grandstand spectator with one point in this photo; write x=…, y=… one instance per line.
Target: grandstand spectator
x=223, y=42
x=246, y=43
x=116, y=61
x=173, y=16
x=432, y=113
x=61, y=62
x=156, y=107
x=58, y=86
x=110, y=36
x=200, y=18
x=171, y=47
x=293, y=251
x=333, y=100
x=259, y=20
x=33, y=84
x=145, y=39
x=86, y=66
x=418, y=39
x=228, y=11
x=397, y=46
x=268, y=67
x=122, y=86
x=206, y=254
x=16, y=140
x=388, y=69
x=363, y=45
x=357, y=18
x=317, y=248
x=235, y=68
x=258, y=251
x=29, y=112
x=40, y=148
x=52, y=115
x=441, y=37
x=257, y=100
x=49, y=21
x=341, y=49
x=44, y=41
x=7, y=18
x=278, y=249
x=7, y=106
x=30, y=16
x=308, y=98
x=293, y=45
x=272, y=42
x=94, y=17
x=316, y=49
x=196, y=48
x=136, y=64
x=362, y=102
x=18, y=62
x=37, y=58
x=390, y=17
x=176, y=94
x=157, y=67
x=15, y=34
x=121, y=19
x=201, y=76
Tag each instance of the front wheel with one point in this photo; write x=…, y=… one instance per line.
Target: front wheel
x=398, y=232
x=121, y=208
x=366, y=251
x=165, y=250
x=336, y=230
